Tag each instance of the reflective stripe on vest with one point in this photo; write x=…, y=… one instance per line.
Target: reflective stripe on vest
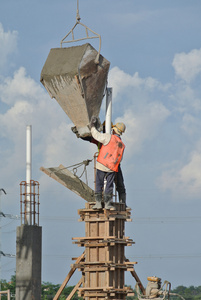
x=111, y=154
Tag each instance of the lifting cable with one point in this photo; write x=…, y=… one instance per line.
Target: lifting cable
x=87, y=29
x=85, y=163
x=75, y=167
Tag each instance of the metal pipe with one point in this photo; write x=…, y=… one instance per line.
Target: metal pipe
x=28, y=171
x=1, y=193
x=108, y=114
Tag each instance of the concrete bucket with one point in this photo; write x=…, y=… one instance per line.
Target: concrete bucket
x=77, y=82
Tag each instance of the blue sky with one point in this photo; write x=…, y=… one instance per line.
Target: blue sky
x=155, y=52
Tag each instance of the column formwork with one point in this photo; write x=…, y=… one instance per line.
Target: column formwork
x=105, y=263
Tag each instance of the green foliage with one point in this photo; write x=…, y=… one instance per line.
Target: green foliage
x=190, y=293
x=49, y=290
x=8, y=286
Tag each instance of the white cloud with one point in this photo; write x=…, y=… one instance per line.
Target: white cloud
x=187, y=65
x=183, y=179
x=27, y=105
x=186, y=99
x=191, y=124
x=62, y=146
x=20, y=87
x=119, y=80
x=8, y=44
x=138, y=108
x=142, y=126
x=145, y=116
x=24, y=98
x=53, y=142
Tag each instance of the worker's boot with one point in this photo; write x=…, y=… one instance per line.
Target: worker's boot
x=98, y=198
x=108, y=202
x=122, y=199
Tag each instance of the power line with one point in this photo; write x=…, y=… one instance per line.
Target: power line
x=164, y=256
x=148, y=256
x=137, y=220
x=14, y=217
x=167, y=219
x=142, y=220
x=7, y=255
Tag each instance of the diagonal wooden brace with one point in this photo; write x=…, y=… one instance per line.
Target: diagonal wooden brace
x=71, y=272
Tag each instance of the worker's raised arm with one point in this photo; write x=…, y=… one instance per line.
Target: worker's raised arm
x=103, y=138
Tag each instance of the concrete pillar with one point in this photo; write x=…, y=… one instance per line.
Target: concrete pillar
x=28, y=262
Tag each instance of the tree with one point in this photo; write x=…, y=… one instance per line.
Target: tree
x=49, y=290
x=8, y=286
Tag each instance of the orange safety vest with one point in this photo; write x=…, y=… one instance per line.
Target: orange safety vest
x=111, y=154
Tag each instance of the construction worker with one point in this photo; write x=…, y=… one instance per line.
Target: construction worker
x=119, y=180
x=109, y=158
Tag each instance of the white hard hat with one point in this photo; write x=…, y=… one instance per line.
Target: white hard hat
x=119, y=128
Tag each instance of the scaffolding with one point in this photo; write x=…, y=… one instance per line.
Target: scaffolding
x=103, y=262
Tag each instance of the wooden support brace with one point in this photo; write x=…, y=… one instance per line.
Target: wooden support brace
x=134, y=274
x=75, y=288
x=71, y=272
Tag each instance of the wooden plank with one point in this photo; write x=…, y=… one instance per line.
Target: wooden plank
x=107, y=213
x=134, y=274
x=91, y=289
x=96, y=263
x=97, y=244
x=98, y=266
x=75, y=288
x=92, y=269
x=93, y=238
x=95, y=295
x=62, y=175
x=71, y=272
x=102, y=253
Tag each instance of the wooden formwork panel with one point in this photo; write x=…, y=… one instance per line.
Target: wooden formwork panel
x=116, y=279
x=95, y=279
x=105, y=228
x=110, y=254
x=104, y=278
x=88, y=214
x=104, y=266
x=96, y=254
x=117, y=254
x=109, y=293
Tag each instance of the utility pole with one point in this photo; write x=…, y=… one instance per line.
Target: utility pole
x=2, y=191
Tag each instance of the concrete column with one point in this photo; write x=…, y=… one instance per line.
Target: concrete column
x=28, y=262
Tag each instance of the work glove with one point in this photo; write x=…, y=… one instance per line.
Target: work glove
x=94, y=122
x=74, y=130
